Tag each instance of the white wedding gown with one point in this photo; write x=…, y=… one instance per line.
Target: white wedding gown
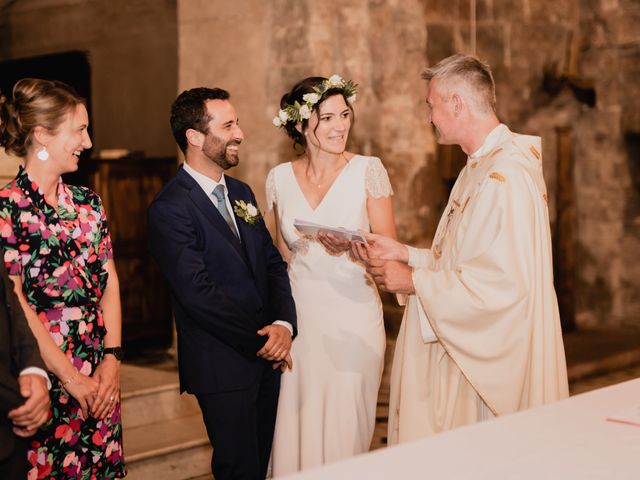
x=328, y=401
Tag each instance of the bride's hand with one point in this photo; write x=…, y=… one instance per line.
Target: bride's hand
x=332, y=244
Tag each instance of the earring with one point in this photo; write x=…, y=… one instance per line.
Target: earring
x=43, y=154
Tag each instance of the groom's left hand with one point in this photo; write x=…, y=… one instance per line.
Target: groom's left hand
x=278, y=345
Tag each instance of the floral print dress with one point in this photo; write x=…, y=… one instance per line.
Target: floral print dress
x=61, y=256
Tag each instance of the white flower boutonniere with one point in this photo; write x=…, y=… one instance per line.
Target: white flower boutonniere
x=247, y=212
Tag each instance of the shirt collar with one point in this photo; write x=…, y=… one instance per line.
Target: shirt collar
x=206, y=183
x=66, y=209
x=490, y=141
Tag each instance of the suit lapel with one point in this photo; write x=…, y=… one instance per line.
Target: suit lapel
x=247, y=233
x=208, y=209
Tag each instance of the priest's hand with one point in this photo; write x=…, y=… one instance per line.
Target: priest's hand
x=392, y=276
x=379, y=247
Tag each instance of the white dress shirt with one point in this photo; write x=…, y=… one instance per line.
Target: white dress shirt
x=37, y=371
x=208, y=185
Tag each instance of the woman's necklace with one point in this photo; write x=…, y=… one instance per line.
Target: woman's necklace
x=321, y=183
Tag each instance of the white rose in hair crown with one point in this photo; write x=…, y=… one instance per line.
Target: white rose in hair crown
x=298, y=112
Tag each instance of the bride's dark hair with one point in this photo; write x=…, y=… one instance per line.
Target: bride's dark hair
x=295, y=95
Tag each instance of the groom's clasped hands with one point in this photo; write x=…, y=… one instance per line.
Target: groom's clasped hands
x=386, y=260
x=278, y=346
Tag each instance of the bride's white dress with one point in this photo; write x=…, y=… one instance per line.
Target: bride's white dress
x=327, y=405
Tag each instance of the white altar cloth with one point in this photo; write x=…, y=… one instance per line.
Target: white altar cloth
x=569, y=439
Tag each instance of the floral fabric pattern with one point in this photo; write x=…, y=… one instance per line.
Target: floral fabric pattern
x=61, y=256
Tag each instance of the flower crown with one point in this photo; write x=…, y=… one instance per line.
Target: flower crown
x=298, y=112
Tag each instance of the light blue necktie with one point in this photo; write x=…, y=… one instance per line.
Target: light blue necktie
x=221, y=205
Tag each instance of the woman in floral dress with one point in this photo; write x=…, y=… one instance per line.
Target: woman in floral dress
x=58, y=253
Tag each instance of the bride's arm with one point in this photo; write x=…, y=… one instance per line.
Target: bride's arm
x=382, y=222
x=380, y=212
x=280, y=243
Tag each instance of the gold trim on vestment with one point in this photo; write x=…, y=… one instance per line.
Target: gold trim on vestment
x=535, y=151
x=497, y=176
x=495, y=152
x=465, y=204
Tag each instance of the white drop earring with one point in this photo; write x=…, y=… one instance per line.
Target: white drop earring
x=43, y=154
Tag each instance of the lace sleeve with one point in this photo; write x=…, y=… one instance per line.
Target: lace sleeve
x=271, y=189
x=377, y=179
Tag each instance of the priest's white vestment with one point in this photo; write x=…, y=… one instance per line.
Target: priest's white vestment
x=488, y=340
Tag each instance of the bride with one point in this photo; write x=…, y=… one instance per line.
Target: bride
x=327, y=405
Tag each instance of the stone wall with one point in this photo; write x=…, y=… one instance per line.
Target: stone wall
x=608, y=163
x=557, y=63
x=545, y=56
x=132, y=50
x=549, y=58
x=258, y=50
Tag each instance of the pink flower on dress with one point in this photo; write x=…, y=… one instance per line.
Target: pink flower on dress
x=60, y=270
x=71, y=458
x=57, y=338
x=27, y=217
x=72, y=313
x=86, y=368
x=64, y=329
x=10, y=256
x=63, y=432
x=44, y=470
x=97, y=438
x=5, y=230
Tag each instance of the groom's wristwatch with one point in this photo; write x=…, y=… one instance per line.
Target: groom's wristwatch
x=117, y=352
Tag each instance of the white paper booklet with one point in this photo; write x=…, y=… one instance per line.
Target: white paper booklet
x=310, y=228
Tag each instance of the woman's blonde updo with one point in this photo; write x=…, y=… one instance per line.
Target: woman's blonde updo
x=34, y=102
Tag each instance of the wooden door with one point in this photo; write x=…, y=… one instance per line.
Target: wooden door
x=127, y=186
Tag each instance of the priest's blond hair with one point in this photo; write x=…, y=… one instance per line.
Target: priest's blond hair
x=468, y=74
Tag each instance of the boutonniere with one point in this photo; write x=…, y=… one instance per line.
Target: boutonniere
x=247, y=212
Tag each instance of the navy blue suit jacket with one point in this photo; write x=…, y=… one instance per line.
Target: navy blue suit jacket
x=223, y=291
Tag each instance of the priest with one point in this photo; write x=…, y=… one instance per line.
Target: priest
x=481, y=333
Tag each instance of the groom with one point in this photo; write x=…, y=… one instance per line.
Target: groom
x=234, y=313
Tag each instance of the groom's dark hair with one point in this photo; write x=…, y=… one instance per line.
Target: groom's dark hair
x=189, y=111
